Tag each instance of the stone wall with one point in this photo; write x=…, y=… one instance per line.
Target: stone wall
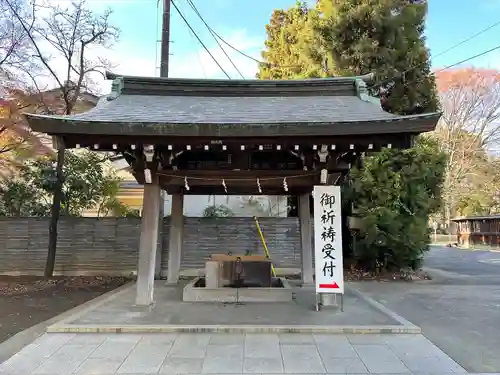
x=109, y=246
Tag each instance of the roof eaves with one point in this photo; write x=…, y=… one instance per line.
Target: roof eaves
x=487, y=217
x=64, y=125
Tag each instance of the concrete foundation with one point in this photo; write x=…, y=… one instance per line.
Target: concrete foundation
x=330, y=300
x=191, y=293
x=114, y=313
x=212, y=273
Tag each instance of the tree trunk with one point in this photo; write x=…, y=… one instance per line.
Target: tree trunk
x=55, y=211
x=448, y=222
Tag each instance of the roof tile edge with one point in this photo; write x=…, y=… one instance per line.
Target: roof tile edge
x=362, y=92
x=206, y=86
x=365, y=78
x=116, y=88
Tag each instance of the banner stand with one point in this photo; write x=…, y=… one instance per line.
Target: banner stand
x=329, y=264
x=319, y=304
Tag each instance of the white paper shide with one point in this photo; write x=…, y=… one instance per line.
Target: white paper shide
x=328, y=239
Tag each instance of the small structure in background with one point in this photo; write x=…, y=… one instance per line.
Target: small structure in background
x=478, y=231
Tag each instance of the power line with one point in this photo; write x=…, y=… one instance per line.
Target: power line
x=442, y=53
x=200, y=62
x=213, y=32
x=199, y=40
x=236, y=49
x=446, y=67
x=190, y=2
x=468, y=59
x=406, y=71
x=467, y=39
x=198, y=55
x=453, y=65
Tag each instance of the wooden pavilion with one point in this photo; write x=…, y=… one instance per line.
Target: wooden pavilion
x=478, y=230
x=192, y=136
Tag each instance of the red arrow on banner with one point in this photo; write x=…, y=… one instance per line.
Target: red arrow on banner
x=329, y=286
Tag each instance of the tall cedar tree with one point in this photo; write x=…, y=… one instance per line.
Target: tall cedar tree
x=384, y=37
x=345, y=38
x=286, y=55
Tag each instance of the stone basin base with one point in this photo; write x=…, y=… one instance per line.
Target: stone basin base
x=193, y=293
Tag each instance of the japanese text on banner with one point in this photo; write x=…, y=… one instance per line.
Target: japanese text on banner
x=328, y=240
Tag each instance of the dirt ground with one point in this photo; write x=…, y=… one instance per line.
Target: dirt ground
x=26, y=301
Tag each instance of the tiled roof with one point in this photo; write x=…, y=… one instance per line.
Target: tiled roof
x=234, y=110
x=148, y=104
x=486, y=217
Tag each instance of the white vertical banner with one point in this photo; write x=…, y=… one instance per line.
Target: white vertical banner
x=329, y=263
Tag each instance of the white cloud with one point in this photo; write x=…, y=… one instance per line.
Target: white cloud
x=490, y=61
x=195, y=64
x=121, y=56
x=199, y=63
x=487, y=61
x=490, y=4
x=121, y=59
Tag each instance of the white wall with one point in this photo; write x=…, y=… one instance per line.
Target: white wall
x=240, y=205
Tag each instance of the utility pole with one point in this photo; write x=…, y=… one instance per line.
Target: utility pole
x=165, y=39
x=164, y=57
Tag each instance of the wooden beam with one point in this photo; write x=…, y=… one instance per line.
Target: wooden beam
x=243, y=176
x=276, y=179
x=237, y=144
x=236, y=190
x=218, y=174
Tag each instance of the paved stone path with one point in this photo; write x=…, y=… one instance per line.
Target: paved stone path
x=458, y=310
x=196, y=353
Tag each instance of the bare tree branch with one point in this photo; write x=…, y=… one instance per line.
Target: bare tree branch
x=469, y=130
x=13, y=38
x=65, y=34
x=30, y=32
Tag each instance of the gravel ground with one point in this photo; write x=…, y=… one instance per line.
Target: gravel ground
x=26, y=301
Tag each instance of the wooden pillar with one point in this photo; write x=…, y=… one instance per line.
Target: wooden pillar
x=176, y=238
x=159, y=245
x=305, y=222
x=148, y=245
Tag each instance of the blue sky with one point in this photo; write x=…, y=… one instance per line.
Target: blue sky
x=449, y=22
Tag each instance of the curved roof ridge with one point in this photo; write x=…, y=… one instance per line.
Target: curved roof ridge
x=365, y=77
x=136, y=85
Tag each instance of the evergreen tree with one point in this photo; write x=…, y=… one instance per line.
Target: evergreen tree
x=393, y=194
x=356, y=37
x=384, y=37
x=285, y=55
